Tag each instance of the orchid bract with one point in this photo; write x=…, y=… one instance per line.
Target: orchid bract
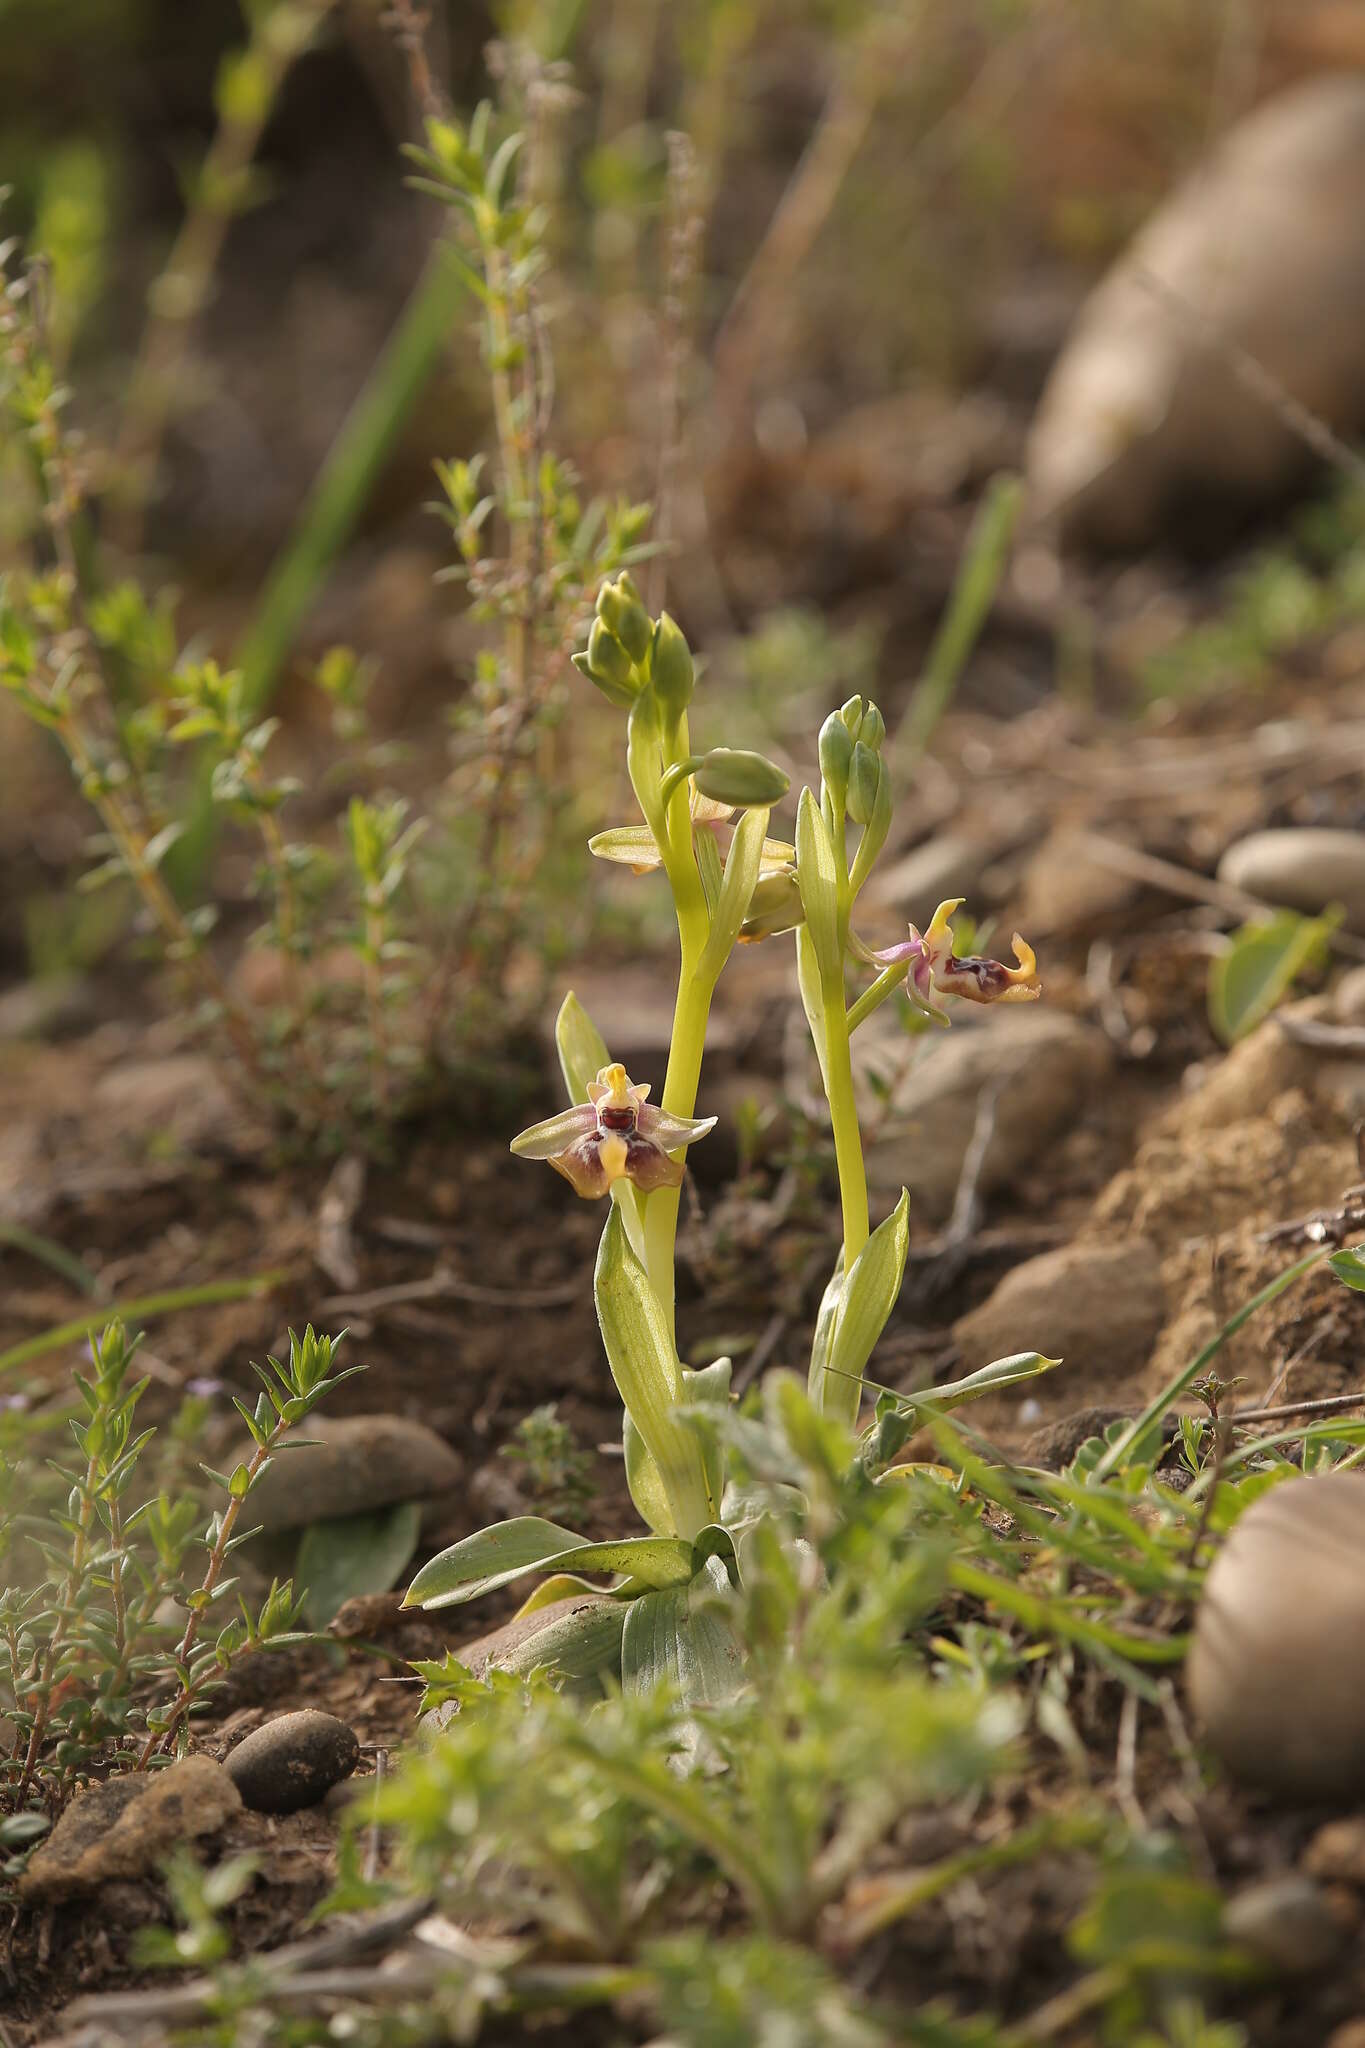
x=703, y=824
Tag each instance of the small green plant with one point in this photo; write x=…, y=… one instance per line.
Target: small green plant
x=557, y=1473
x=90, y=1667
x=1259, y=964
x=706, y=815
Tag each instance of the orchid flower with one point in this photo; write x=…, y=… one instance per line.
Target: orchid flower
x=615, y=1135
x=633, y=845
x=931, y=965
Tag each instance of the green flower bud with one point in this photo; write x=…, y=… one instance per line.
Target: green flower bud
x=620, y=608
x=852, y=714
x=671, y=667
x=623, y=695
x=774, y=907
x=608, y=657
x=732, y=775
x=836, y=754
x=864, y=778
x=873, y=729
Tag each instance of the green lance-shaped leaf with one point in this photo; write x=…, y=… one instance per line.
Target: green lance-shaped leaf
x=648, y=1378
x=812, y=996
x=710, y=869
x=578, y=1645
x=709, y=1386
x=734, y=775
x=988, y=1379
x=352, y=1554
x=581, y=1047
x=644, y=761
x=1259, y=965
x=490, y=1558
x=683, y=1638
x=742, y=864
x=819, y=878
x=825, y=1324
x=1349, y=1266
x=870, y=1292
x=582, y=1056
x=510, y=1549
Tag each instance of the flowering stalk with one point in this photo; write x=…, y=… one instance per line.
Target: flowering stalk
x=855, y=790
x=612, y=1140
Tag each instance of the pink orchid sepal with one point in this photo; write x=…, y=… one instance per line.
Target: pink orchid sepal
x=931, y=966
x=617, y=1134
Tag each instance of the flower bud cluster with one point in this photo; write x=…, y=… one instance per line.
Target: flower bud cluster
x=627, y=650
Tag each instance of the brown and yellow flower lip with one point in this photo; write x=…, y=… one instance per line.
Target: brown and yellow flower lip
x=617, y=1134
x=931, y=967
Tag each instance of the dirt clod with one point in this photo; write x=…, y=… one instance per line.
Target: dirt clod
x=124, y=1828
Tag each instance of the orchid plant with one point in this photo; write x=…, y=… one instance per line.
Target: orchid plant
x=704, y=825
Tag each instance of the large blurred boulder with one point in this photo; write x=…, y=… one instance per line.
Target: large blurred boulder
x=1144, y=417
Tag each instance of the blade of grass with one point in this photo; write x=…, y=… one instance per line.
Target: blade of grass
x=973, y=593
x=329, y=515
x=50, y=1253
x=1174, y=1388
x=143, y=1310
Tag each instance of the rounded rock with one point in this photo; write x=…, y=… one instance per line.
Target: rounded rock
x=351, y=1465
x=1276, y=1672
x=1142, y=420
x=1099, y=1306
x=293, y=1761
x=1302, y=867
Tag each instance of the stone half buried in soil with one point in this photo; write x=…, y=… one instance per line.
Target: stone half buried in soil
x=1046, y=1064
x=126, y=1827
x=1097, y=1306
x=1260, y=250
x=1302, y=867
x=1276, y=1671
x=292, y=1761
x=351, y=1465
x=580, y=1635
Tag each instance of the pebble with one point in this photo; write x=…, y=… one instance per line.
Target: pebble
x=1337, y=1852
x=351, y=1465
x=1288, y=1923
x=125, y=1827
x=1302, y=867
x=1050, y=1061
x=1276, y=1671
x=1054, y=1444
x=293, y=1761
x=1140, y=418
x=1348, y=998
x=1098, y=1306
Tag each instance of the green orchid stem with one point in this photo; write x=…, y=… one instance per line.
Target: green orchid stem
x=885, y=986
x=691, y=1014
x=843, y=1116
